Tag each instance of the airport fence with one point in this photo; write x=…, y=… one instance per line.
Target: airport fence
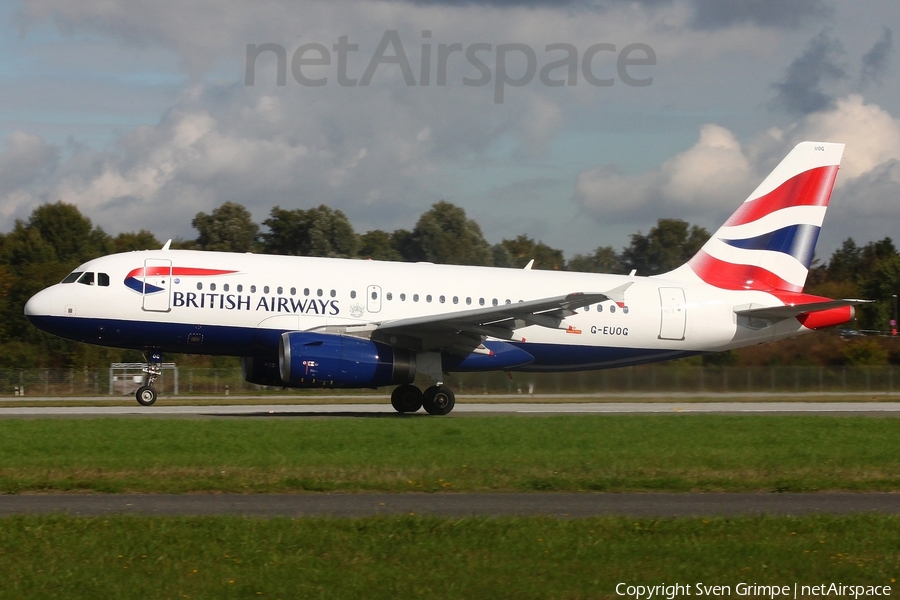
x=649, y=379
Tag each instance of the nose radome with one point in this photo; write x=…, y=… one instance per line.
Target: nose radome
x=39, y=305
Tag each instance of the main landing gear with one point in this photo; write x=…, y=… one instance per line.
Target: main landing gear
x=437, y=400
x=146, y=394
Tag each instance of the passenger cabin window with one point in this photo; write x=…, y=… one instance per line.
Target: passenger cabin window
x=103, y=279
x=212, y=287
x=87, y=279
x=252, y=289
x=353, y=294
x=265, y=289
x=72, y=277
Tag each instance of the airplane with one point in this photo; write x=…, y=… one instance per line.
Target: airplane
x=309, y=322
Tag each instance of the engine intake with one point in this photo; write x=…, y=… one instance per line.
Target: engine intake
x=307, y=359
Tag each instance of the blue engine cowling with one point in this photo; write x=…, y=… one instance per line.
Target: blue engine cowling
x=307, y=359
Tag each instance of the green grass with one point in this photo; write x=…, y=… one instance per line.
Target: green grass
x=414, y=557
x=566, y=453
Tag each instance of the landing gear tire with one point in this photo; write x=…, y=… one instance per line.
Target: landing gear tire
x=145, y=395
x=438, y=400
x=406, y=399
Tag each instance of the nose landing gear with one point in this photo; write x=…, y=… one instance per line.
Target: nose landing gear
x=146, y=394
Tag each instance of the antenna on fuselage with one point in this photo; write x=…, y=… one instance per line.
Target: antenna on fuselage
x=167, y=244
x=529, y=265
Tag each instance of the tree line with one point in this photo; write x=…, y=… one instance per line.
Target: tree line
x=443, y=234
x=56, y=238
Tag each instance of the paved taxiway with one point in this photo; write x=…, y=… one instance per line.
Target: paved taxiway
x=454, y=505
x=465, y=409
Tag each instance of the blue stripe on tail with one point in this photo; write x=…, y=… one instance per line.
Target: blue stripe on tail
x=798, y=241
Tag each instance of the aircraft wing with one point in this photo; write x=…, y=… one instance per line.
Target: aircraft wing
x=778, y=313
x=463, y=332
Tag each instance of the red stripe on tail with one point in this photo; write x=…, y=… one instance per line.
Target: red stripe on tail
x=810, y=188
x=732, y=276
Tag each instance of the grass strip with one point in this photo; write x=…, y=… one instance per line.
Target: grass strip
x=415, y=557
x=498, y=453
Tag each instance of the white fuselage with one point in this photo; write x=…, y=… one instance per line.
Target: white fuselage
x=236, y=304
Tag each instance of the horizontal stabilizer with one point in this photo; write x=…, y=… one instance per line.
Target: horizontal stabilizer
x=777, y=313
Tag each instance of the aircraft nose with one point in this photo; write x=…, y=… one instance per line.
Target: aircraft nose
x=39, y=305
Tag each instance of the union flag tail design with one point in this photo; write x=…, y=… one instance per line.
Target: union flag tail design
x=768, y=243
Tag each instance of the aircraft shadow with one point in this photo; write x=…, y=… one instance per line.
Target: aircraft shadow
x=301, y=414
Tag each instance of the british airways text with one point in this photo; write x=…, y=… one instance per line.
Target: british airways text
x=308, y=306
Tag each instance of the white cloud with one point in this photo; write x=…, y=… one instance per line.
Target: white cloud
x=871, y=133
x=716, y=173
x=712, y=174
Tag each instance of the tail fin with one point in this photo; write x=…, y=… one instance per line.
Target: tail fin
x=768, y=243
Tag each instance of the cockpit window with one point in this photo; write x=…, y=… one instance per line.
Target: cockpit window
x=72, y=277
x=103, y=279
x=87, y=279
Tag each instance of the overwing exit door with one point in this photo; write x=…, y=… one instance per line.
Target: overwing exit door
x=373, y=298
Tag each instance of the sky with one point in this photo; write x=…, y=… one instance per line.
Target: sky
x=576, y=122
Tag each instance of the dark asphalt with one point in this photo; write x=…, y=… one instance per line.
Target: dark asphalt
x=454, y=505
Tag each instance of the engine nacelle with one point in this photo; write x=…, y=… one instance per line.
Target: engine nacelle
x=307, y=359
x=261, y=371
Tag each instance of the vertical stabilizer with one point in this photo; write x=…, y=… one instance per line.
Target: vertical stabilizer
x=768, y=243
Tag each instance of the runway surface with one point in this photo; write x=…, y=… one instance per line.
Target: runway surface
x=454, y=505
x=465, y=409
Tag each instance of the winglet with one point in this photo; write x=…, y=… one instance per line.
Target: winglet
x=617, y=295
x=167, y=244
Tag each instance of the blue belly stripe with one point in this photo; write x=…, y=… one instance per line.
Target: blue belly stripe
x=250, y=341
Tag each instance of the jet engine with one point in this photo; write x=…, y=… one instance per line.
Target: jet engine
x=308, y=359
